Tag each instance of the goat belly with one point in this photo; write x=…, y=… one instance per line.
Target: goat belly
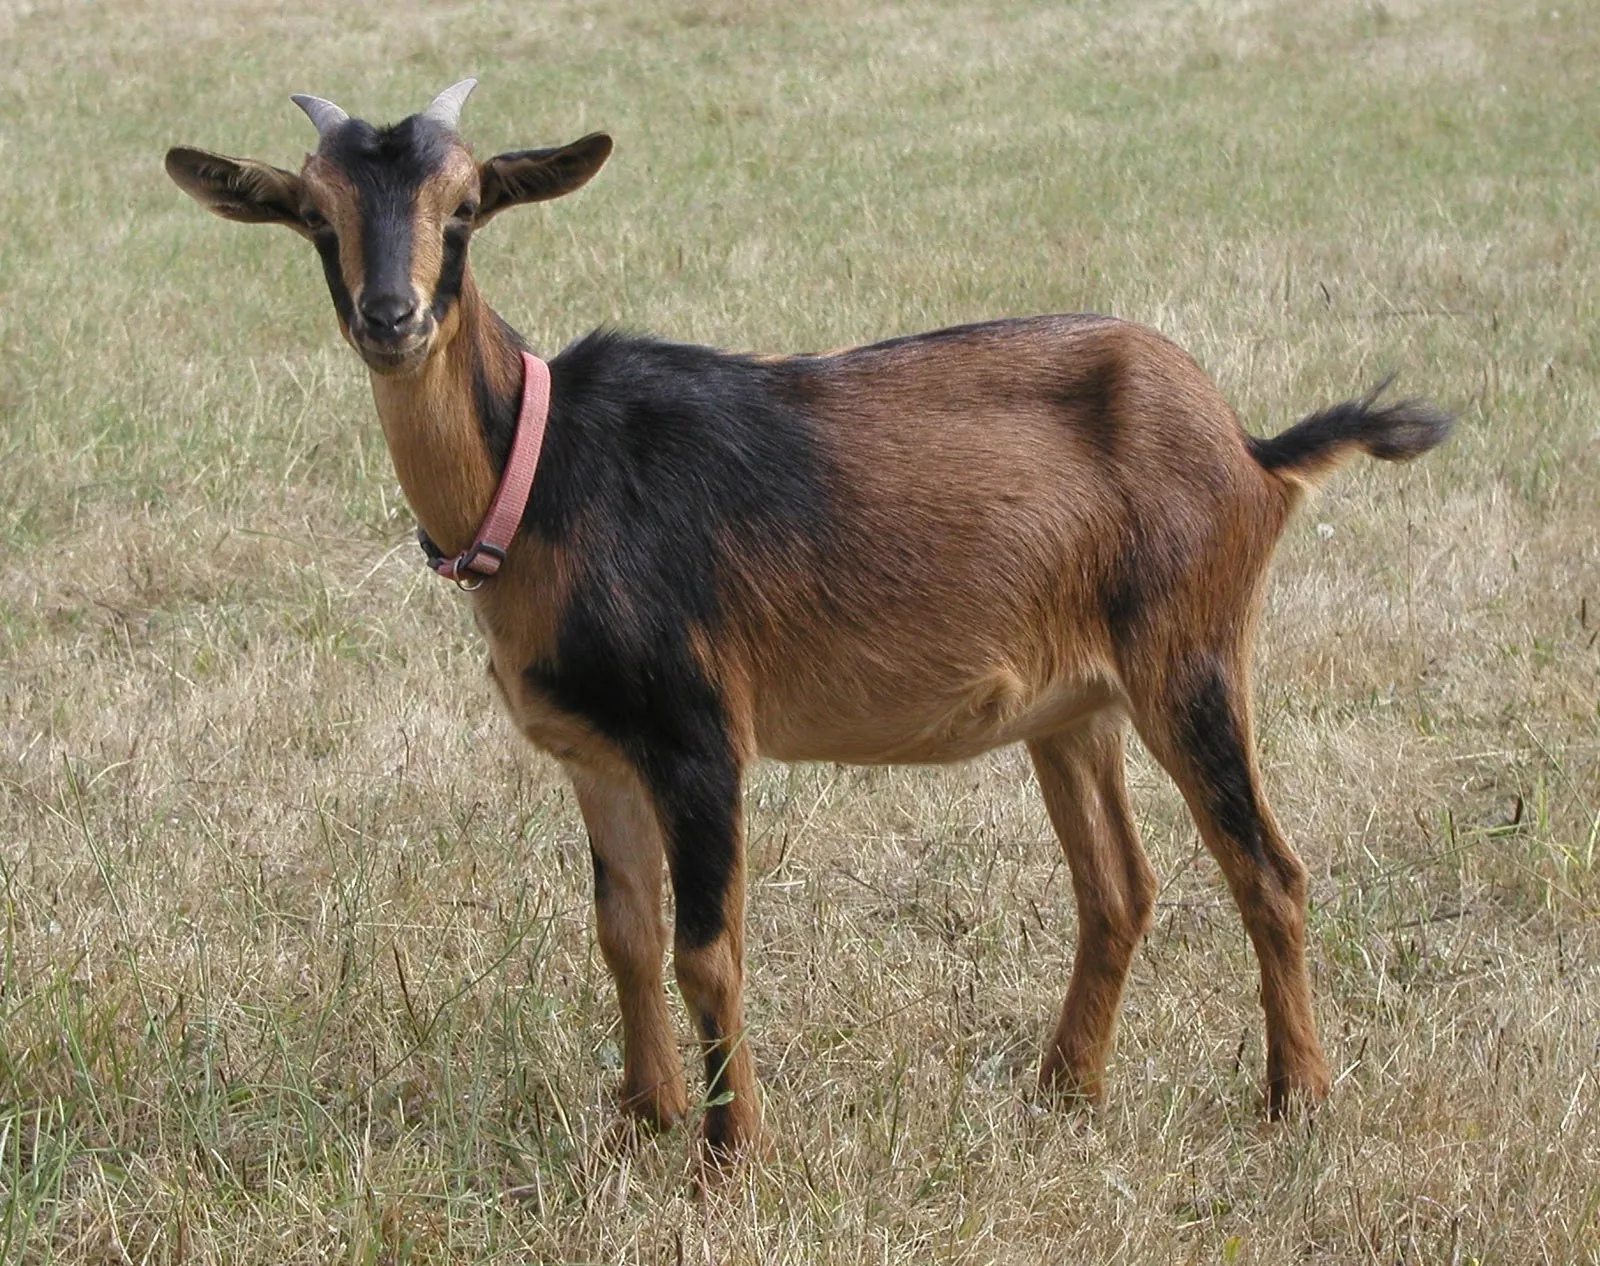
x=991, y=709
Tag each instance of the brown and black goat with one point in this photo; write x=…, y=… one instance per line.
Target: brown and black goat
x=1029, y=531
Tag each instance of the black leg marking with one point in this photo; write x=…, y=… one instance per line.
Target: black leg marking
x=671, y=723
x=602, y=881
x=1209, y=732
x=699, y=805
x=716, y=1057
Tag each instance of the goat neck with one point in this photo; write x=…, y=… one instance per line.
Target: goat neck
x=433, y=424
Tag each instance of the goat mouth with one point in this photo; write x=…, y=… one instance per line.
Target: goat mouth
x=394, y=357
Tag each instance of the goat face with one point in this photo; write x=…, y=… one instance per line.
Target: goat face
x=391, y=211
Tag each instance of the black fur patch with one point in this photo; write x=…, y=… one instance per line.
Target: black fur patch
x=327, y=243
x=452, y=270
x=716, y=1057
x=387, y=166
x=658, y=460
x=1139, y=580
x=385, y=250
x=687, y=440
x=700, y=801
x=1125, y=592
x=642, y=690
x=1210, y=735
x=400, y=156
x=497, y=411
x=1393, y=433
x=602, y=881
x=1090, y=400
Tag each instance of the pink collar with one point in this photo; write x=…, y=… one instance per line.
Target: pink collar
x=483, y=557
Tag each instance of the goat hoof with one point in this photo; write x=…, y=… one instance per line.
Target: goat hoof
x=655, y=1110
x=730, y=1138
x=1062, y=1083
x=1303, y=1090
x=715, y=1164
x=625, y=1137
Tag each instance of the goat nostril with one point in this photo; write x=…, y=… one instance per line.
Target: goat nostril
x=388, y=314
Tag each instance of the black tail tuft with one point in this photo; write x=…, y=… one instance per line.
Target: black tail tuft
x=1394, y=433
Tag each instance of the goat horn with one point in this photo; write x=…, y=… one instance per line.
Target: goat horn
x=324, y=114
x=446, y=107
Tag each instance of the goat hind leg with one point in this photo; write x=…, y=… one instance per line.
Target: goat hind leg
x=1201, y=734
x=1081, y=776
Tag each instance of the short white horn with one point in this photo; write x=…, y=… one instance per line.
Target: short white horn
x=327, y=116
x=446, y=107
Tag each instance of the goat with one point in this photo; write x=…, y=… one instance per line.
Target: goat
x=1035, y=530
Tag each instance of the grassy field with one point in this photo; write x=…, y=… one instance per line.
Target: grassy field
x=295, y=950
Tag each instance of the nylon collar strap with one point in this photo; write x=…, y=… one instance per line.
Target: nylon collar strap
x=483, y=557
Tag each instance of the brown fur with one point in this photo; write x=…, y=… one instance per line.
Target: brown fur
x=626, y=841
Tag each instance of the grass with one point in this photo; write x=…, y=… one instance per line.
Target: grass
x=295, y=957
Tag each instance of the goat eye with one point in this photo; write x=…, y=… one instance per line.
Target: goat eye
x=312, y=220
x=466, y=211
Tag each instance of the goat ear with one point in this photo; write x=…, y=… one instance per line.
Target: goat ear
x=537, y=175
x=237, y=188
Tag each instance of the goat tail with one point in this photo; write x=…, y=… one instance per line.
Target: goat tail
x=1316, y=445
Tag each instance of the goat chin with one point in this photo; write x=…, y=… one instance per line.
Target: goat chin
x=402, y=358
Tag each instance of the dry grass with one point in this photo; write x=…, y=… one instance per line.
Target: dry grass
x=295, y=962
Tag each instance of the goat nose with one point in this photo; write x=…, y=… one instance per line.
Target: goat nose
x=387, y=314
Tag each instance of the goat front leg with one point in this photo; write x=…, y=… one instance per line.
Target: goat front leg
x=625, y=845
x=698, y=799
